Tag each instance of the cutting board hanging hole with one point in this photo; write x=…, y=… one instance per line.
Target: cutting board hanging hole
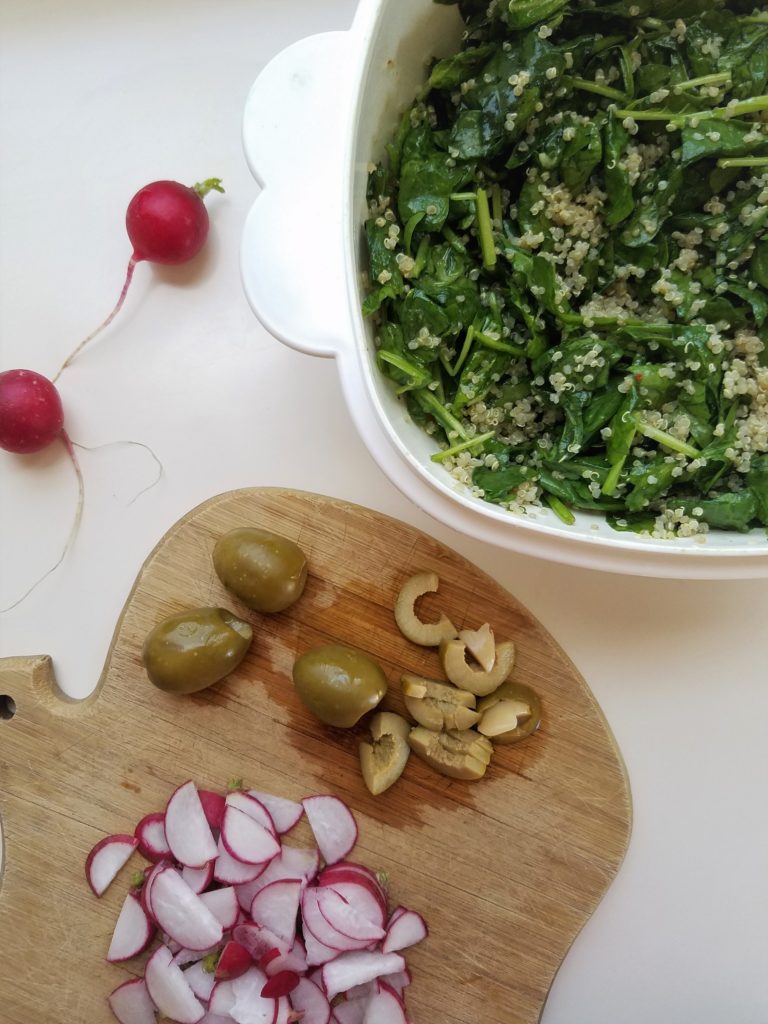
x=7, y=707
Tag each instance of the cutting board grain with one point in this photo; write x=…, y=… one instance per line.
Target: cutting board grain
x=506, y=870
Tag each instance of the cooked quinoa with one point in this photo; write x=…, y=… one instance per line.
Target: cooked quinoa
x=569, y=260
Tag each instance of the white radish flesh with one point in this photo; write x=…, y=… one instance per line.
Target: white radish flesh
x=133, y=931
x=169, y=991
x=385, y=1007
x=187, y=830
x=406, y=930
x=247, y=840
x=131, y=1004
x=182, y=913
x=309, y=999
x=333, y=826
x=339, y=876
x=200, y=981
x=399, y=981
x=285, y=813
x=233, y=872
x=352, y=1011
x=249, y=1006
x=106, y=859
x=253, y=808
x=198, y=879
x=276, y=906
x=222, y=903
x=320, y=928
x=352, y=969
x=294, y=960
x=358, y=895
x=150, y=833
x=317, y=952
x=346, y=918
x=258, y=941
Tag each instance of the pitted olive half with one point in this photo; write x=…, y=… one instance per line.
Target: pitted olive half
x=266, y=571
x=338, y=684
x=195, y=649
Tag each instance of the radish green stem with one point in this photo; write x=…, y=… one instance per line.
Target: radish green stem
x=128, y=277
x=209, y=185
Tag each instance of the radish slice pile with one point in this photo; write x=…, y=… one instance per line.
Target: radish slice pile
x=254, y=931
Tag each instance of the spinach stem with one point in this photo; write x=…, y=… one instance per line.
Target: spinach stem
x=734, y=109
x=612, y=480
x=743, y=161
x=463, y=446
x=444, y=417
x=497, y=345
x=560, y=509
x=410, y=227
x=465, y=197
x=464, y=350
x=421, y=257
x=485, y=230
x=454, y=241
x=722, y=78
x=419, y=377
x=584, y=85
x=668, y=440
x=496, y=204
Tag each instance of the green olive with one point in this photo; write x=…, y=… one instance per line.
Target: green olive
x=524, y=705
x=194, y=649
x=267, y=572
x=338, y=684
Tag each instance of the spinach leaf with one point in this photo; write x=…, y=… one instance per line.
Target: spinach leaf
x=729, y=511
x=757, y=481
x=621, y=202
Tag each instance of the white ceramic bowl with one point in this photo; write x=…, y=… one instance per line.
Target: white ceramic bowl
x=318, y=114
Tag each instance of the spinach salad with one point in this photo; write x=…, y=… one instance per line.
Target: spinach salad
x=569, y=260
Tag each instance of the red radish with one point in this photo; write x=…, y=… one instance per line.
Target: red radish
x=283, y=1013
x=347, y=918
x=317, y=952
x=150, y=833
x=285, y=813
x=362, y=991
x=385, y=1007
x=213, y=806
x=280, y=984
x=200, y=981
x=359, y=896
x=215, y=1018
x=352, y=1011
x=309, y=999
x=31, y=413
x=316, y=924
x=406, y=930
x=169, y=990
x=146, y=889
x=182, y=913
x=167, y=222
x=253, y=808
x=275, y=907
x=222, y=999
x=294, y=960
x=292, y=863
x=106, y=859
x=131, y=1004
x=187, y=830
x=352, y=969
x=344, y=871
x=233, y=872
x=198, y=879
x=258, y=941
x=242, y=999
x=333, y=826
x=234, y=961
x=247, y=840
x=399, y=981
x=133, y=931
x=222, y=903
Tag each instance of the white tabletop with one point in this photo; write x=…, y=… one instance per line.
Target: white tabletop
x=98, y=97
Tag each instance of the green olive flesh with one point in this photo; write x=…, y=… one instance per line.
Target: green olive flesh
x=195, y=649
x=515, y=691
x=266, y=571
x=338, y=684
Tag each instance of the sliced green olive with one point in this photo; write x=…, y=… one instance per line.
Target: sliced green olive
x=266, y=571
x=383, y=760
x=454, y=661
x=338, y=684
x=513, y=704
x=428, y=634
x=458, y=754
x=195, y=649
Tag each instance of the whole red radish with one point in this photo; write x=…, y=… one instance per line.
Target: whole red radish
x=167, y=222
x=31, y=414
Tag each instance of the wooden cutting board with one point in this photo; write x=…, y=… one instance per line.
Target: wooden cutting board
x=506, y=870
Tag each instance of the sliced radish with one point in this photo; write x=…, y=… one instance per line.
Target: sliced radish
x=280, y=984
x=397, y=912
x=246, y=839
x=285, y=813
x=222, y=903
x=294, y=960
x=150, y=833
x=276, y=906
x=215, y=1018
x=169, y=990
x=131, y=1004
x=406, y=930
x=352, y=1011
x=182, y=957
x=365, y=991
x=338, y=877
x=292, y=863
x=253, y=808
x=333, y=826
x=258, y=941
x=222, y=999
x=146, y=889
x=234, y=961
x=233, y=872
x=106, y=859
x=352, y=969
x=200, y=981
x=307, y=998
x=213, y=806
x=182, y=913
x=399, y=981
x=133, y=931
x=198, y=879
x=283, y=1012
x=319, y=926
x=317, y=952
x=385, y=1007
x=249, y=1006
x=187, y=830
x=346, y=918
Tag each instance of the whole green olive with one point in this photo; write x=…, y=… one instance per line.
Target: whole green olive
x=338, y=684
x=195, y=649
x=266, y=571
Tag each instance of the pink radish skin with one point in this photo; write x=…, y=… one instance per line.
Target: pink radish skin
x=341, y=878
x=253, y=808
x=169, y=991
x=187, y=830
x=200, y=981
x=275, y=907
x=130, y=1003
x=258, y=941
x=320, y=928
x=146, y=889
x=333, y=826
x=406, y=930
x=222, y=903
x=106, y=859
x=307, y=998
x=150, y=833
x=318, y=953
x=31, y=413
x=182, y=913
x=198, y=879
x=246, y=839
x=234, y=961
x=294, y=960
x=213, y=806
x=352, y=969
x=233, y=872
x=133, y=931
x=280, y=984
x=399, y=981
x=346, y=918
x=285, y=813
x=359, y=896
x=385, y=1007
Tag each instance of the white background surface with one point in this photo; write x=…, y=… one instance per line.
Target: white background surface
x=98, y=97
